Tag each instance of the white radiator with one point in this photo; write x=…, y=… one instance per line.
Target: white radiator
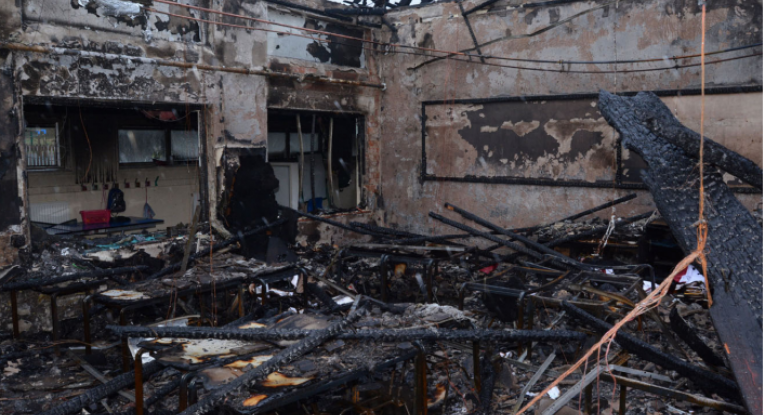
x=49, y=212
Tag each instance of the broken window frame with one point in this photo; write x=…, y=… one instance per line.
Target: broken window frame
x=359, y=122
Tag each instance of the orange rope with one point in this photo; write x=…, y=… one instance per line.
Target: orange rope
x=702, y=230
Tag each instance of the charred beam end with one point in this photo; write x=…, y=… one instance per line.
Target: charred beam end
x=491, y=336
x=520, y=249
x=125, y=380
x=692, y=339
x=333, y=223
x=40, y=282
x=490, y=371
x=287, y=355
x=485, y=235
x=216, y=247
x=595, y=231
x=512, y=235
x=711, y=382
x=660, y=121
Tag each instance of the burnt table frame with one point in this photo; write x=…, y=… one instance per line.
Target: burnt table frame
x=126, y=306
x=430, y=265
x=53, y=292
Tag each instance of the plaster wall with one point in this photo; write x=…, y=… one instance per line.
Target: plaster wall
x=235, y=104
x=595, y=31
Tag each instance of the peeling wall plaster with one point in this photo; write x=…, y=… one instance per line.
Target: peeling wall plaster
x=236, y=103
x=630, y=30
x=561, y=140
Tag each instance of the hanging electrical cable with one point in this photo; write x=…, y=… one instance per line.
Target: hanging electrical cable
x=423, y=49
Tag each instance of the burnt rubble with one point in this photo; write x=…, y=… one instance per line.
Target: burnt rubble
x=398, y=322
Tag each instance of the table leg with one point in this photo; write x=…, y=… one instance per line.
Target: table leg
x=125, y=348
x=139, y=381
x=86, y=323
x=384, y=278
x=477, y=365
x=54, y=322
x=241, y=300
x=15, y=315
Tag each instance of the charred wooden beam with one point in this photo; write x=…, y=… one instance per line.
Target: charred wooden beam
x=580, y=214
x=97, y=274
x=486, y=235
x=709, y=381
x=25, y=354
x=519, y=248
x=734, y=241
x=433, y=238
x=335, y=223
x=598, y=230
x=513, y=236
x=389, y=336
x=652, y=112
x=125, y=380
x=692, y=339
x=442, y=238
x=287, y=355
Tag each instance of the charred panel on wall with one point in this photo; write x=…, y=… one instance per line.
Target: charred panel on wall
x=564, y=140
x=544, y=139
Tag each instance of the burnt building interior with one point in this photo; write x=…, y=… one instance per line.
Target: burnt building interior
x=367, y=207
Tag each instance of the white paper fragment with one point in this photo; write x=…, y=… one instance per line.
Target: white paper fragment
x=342, y=299
x=554, y=393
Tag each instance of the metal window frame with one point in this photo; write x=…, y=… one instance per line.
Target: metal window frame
x=617, y=183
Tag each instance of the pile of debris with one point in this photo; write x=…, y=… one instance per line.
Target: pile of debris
x=410, y=323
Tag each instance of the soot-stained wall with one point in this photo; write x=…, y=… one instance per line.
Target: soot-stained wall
x=99, y=38
x=564, y=140
x=95, y=69
x=543, y=139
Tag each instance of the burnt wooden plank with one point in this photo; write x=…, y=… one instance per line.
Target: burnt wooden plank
x=734, y=244
x=660, y=121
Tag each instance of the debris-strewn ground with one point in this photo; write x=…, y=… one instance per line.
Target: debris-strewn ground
x=436, y=293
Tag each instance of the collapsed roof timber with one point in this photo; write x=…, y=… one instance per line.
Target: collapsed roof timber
x=373, y=207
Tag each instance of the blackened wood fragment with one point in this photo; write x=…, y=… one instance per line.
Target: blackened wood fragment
x=659, y=119
x=734, y=242
x=709, y=381
x=685, y=332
